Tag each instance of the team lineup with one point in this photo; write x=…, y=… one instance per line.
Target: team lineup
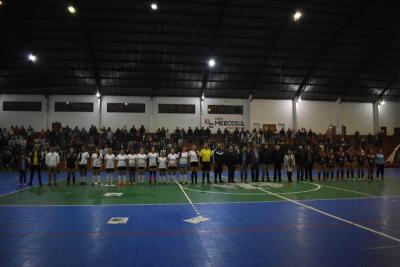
x=164, y=166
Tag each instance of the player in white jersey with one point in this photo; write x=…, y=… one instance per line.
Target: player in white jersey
x=141, y=165
x=132, y=157
x=172, y=164
x=121, y=165
x=194, y=163
x=96, y=166
x=162, y=167
x=183, y=165
x=152, y=159
x=109, y=159
x=83, y=158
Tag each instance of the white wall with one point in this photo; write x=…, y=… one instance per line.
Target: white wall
x=171, y=121
x=80, y=119
x=25, y=118
x=316, y=115
x=357, y=117
x=242, y=118
x=271, y=112
x=118, y=120
x=389, y=116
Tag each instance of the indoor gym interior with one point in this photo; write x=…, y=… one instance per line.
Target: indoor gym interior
x=328, y=66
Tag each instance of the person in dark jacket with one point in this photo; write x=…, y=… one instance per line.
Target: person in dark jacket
x=22, y=167
x=243, y=159
x=218, y=157
x=254, y=160
x=300, y=158
x=265, y=159
x=35, y=164
x=277, y=159
x=309, y=160
x=230, y=161
x=70, y=162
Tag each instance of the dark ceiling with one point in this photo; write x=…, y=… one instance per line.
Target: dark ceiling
x=342, y=48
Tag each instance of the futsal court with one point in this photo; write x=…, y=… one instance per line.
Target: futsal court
x=346, y=223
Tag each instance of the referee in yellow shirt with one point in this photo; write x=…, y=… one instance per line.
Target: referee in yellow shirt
x=205, y=159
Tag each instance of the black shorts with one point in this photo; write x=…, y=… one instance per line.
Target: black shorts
x=162, y=170
x=206, y=166
x=172, y=167
x=132, y=169
x=194, y=164
x=152, y=168
x=83, y=167
x=122, y=168
x=96, y=168
x=110, y=170
x=141, y=168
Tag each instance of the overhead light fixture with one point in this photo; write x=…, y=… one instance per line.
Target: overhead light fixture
x=202, y=96
x=382, y=102
x=98, y=94
x=32, y=57
x=1, y=3
x=67, y=102
x=154, y=6
x=297, y=15
x=299, y=99
x=250, y=97
x=126, y=104
x=212, y=63
x=71, y=9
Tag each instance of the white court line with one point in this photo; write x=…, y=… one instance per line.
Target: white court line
x=188, y=198
x=199, y=203
x=333, y=216
x=318, y=187
x=342, y=189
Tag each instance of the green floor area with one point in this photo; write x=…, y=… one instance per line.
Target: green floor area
x=172, y=193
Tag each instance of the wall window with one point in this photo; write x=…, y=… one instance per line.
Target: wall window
x=73, y=107
x=21, y=106
x=177, y=108
x=225, y=109
x=126, y=107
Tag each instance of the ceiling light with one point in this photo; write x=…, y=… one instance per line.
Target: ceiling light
x=98, y=94
x=383, y=102
x=32, y=57
x=126, y=104
x=299, y=99
x=297, y=15
x=71, y=9
x=212, y=63
x=154, y=6
x=1, y=3
x=67, y=102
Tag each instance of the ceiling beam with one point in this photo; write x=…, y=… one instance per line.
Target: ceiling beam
x=211, y=52
x=355, y=15
x=388, y=38
x=88, y=42
x=387, y=89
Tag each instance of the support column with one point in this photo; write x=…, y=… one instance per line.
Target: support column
x=338, y=117
x=294, y=114
x=376, y=117
x=201, y=110
x=46, y=114
x=100, y=102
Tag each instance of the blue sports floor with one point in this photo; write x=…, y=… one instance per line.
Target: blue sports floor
x=356, y=231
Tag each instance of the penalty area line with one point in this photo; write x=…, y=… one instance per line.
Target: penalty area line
x=188, y=198
x=332, y=216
